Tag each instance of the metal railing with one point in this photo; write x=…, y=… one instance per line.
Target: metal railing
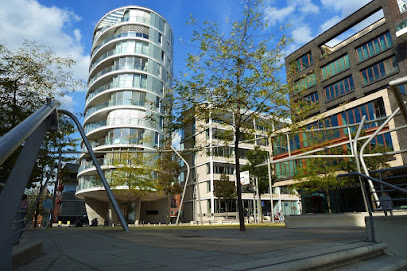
x=28, y=136
x=379, y=202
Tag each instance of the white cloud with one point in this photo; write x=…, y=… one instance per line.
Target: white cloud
x=346, y=7
x=22, y=20
x=67, y=103
x=302, y=34
x=306, y=6
x=274, y=15
x=297, y=8
x=331, y=22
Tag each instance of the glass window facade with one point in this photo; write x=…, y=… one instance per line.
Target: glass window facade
x=374, y=47
x=335, y=67
x=128, y=79
x=339, y=88
x=379, y=70
x=312, y=98
x=372, y=110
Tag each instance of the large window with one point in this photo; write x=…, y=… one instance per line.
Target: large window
x=303, y=62
x=304, y=83
x=372, y=111
x=218, y=169
x=335, y=67
x=379, y=70
x=374, y=46
x=339, y=88
x=312, y=98
x=128, y=98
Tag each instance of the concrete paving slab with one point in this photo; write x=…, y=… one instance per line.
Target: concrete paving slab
x=176, y=249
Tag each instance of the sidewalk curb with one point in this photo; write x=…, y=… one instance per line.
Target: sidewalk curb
x=25, y=252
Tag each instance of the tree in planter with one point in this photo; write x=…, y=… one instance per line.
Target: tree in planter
x=169, y=169
x=224, y=190
x=133, y=175
x=236, y=74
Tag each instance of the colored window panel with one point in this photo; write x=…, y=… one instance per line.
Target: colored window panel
x=335, y=67
x=375, y=46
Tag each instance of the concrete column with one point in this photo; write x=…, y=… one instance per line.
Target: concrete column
x=113, y=218
x=137, y=212
x=96, y=209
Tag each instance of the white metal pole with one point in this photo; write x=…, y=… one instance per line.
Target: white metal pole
x=185, y=185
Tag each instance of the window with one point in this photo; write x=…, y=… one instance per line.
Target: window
x=374, y=47
x=339, y=88
x=303, y=62
x=304, y=83
x=159, y=37
x=226, y=170
x=335, y=67
x=379, y=70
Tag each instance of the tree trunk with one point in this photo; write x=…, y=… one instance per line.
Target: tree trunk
x=328, y=200
x=168, y=208
x=238, y=186
x=226, y=208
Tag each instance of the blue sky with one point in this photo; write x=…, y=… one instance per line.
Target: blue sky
x=67, y=26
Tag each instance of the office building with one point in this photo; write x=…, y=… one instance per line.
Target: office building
x=215, y=156
x=345, y=80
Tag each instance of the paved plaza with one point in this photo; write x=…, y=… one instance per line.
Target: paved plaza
x=184, y=248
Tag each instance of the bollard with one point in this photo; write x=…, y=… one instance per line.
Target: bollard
x=68, y=223
x=59, y=223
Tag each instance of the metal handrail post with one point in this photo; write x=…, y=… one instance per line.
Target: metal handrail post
x=368, y=208
x=362, y=149
x=271, y=191
x=354, y=148
x=185, y=185
x=98, y=169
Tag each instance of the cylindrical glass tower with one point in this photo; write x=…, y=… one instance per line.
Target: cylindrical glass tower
x=130, y=70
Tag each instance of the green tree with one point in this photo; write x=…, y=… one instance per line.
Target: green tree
x=224, y=190
x=234, y=74
x=27, y=77
x=169, y=169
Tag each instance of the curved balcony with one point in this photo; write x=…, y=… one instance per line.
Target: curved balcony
x=95, y=108
x=142, y=66
x=117, y=36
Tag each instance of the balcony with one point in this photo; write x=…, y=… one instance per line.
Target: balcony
x=401, y=30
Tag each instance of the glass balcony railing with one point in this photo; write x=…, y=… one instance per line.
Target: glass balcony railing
x=95, y=108
x=117, y=68
x=92, y=126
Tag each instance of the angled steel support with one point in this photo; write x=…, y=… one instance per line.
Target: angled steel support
x=13, y=191
x=98, y=169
